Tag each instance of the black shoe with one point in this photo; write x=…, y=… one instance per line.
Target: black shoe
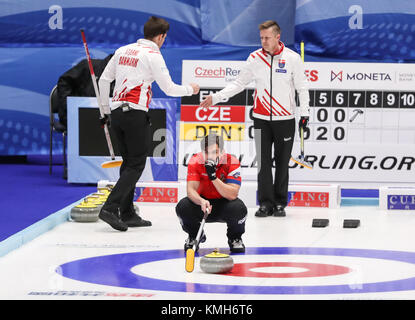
x=190, y=242
x=278, y=211
x=236, y=245
x=113, y=220
x=134, y=220
x=263, y=211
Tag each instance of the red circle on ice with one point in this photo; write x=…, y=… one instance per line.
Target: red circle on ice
x=312, y=270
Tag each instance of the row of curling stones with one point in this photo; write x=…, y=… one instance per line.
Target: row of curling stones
x=88, y=210
x=216, y=262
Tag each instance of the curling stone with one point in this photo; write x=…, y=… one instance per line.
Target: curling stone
x=216, y=262
x=101, y=196
x=110, y=187
x=104, y=190
x=85, y=212
x=98, y=201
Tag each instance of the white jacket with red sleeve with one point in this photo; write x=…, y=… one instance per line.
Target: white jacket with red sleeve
x=276, y=78
x=134, y=67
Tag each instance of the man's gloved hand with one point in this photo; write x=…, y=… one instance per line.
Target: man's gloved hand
x=302, y=123
x=105, y=120
x=210, y=166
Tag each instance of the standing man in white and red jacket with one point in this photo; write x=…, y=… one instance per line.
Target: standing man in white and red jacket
x=134, y=67
x=277, y=72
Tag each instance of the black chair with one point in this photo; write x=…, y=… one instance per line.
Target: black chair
x=56, y=126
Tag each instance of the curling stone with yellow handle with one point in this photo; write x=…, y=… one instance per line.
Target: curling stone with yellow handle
x=109, y=186
x=101, y=196
x=106, y=191
x=98, y=201
x=85, y=212
x=216, y=262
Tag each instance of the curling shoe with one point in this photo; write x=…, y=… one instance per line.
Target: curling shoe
x=236, y=245
x=133, y=220
x=278, y=211
x=190, y=242
x=113, y=220
x=263, y=211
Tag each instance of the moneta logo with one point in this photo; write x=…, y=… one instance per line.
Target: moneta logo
x=335, y=76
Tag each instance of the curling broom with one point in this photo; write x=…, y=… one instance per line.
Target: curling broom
x=190, y=253
x=301, y=159
x=113, y=163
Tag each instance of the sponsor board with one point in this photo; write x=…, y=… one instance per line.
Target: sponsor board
x=160, y=193
x=360, y=127
x=218, y=73
x=380, y=76
x=308, y=199
x=334, y=162
x=401, y=202
x=205, y=72
x=326, y=196
x=397, y=197
x=156, y=194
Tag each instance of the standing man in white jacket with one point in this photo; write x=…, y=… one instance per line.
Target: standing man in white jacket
x=277, y=72
x=134, y=67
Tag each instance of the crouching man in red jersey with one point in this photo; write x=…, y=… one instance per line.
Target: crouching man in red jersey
x=213, y=183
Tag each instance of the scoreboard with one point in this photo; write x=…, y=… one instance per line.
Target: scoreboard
x=361, y=128
x=362, y=116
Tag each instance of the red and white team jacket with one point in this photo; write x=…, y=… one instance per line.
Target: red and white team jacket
x=276, y=79
x=134, y=67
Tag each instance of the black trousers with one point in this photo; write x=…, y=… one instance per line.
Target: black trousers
x=281, y=135
x=132, y=130
x=232, y=212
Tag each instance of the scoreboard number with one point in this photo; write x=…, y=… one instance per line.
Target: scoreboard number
x=331, y=111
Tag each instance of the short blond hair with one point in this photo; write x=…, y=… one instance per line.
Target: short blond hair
x=270, y=24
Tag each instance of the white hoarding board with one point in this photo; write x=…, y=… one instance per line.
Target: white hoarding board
x=361, y=129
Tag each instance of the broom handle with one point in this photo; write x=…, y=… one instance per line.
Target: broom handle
x=94, y=82
x=301, y=129
x=202, y=224
x=302, y=141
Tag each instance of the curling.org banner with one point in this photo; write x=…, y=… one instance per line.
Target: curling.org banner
x=360, y=128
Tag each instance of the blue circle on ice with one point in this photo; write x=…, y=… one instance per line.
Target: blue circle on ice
x=115, y=270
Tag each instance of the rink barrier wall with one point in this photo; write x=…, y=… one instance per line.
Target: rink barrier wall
x=299, y=195
x=171, y=193
x=38, y=228
x=397, y=198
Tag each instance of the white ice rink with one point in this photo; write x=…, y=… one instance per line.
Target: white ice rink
x=285, y=259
